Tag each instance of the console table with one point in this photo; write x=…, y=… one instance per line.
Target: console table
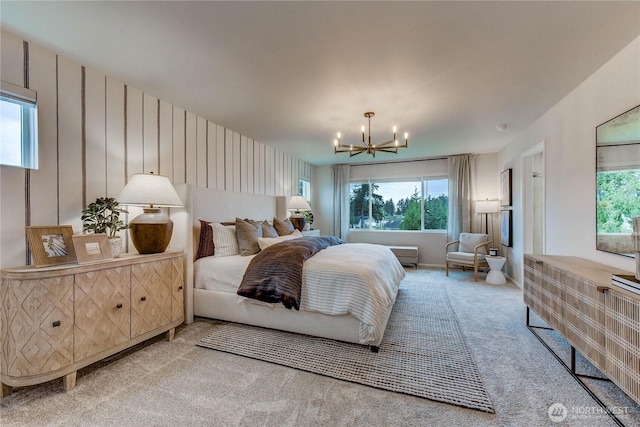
x=56, y=320
x=580, y=300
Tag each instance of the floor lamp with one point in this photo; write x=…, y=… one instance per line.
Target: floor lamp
x=488, y=208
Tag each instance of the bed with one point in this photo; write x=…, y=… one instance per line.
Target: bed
x=212, y=281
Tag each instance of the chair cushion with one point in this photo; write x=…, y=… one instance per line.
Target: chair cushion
x=468, y=241
x=463, y=257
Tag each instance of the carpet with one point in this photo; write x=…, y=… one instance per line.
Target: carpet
x=423, y=352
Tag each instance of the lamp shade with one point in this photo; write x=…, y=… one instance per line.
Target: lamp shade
x=151, y=231
x=148, y=189
x=487, y=206
x=298, y=203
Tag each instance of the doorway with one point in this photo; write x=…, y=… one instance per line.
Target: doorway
x=533, y=197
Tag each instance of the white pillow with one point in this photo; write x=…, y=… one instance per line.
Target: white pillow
x=224, y=240
x=265, y=242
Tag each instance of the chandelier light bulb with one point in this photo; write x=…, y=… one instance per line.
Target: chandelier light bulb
x=390, y=146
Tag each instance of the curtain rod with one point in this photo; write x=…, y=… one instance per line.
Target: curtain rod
x=407, y=161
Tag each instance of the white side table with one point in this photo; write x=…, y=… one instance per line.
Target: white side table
x=495, y=276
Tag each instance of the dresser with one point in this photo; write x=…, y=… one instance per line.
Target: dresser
x=581, y=301
x=56, y=320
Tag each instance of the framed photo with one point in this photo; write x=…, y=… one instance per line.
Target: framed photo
x=51, y=245
x=505, y=187
x=506, y=228
x=92, y=247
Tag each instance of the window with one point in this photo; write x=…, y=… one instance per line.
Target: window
x=304, y=189
x=410, y=204
x=18, y=127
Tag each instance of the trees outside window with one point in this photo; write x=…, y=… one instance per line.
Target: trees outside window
x=419, y=204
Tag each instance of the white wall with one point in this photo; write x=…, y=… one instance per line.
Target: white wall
x=96, y=132
x=568, y=130
x=430, y=243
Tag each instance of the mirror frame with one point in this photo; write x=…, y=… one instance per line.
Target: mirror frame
x=620, y=131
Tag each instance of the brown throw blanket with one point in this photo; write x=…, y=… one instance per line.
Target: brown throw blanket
x=275, y=274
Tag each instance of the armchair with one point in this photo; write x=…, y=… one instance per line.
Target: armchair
x=471, y=249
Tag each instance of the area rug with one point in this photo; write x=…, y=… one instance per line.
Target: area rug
x=423, y=352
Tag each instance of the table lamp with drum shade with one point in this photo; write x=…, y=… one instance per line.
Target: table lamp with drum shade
x=150, y=231
x=297, y=204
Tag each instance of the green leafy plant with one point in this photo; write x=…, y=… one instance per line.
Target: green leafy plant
x=308, y=216
x=103, y=216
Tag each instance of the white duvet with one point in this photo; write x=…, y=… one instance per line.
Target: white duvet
x=359, y=279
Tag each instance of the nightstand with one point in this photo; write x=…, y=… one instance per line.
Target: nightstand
x=311, y=233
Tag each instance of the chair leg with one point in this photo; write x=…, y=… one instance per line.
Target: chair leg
x=475, y=273
x=446, y=268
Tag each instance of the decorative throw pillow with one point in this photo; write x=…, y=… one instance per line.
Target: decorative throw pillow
x=224, y=239
x=265, y=242
x=283, y=228
x=268, y=230
x=205, y=243
x=247, y=235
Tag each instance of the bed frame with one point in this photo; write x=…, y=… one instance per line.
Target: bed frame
x=220, y=206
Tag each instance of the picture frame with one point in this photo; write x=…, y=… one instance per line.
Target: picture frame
x=92, y=247
x=51, y=245
x=506, y=228
x=505, y=188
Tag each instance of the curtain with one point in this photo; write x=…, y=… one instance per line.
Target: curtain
x=341, y=200
x=461, y=173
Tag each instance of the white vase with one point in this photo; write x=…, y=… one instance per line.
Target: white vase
x=116, y=246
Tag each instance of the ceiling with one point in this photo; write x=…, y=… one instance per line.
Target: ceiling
x=292, y=74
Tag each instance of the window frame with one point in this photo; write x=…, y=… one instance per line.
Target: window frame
x=423, y=180
x=27, y=100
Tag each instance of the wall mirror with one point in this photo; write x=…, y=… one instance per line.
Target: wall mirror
x=617, y=181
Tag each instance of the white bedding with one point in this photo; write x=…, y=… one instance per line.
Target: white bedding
x=359, y=279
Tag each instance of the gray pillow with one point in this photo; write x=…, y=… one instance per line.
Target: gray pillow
x=284, y=228
x=247, y=235
x=268, y=230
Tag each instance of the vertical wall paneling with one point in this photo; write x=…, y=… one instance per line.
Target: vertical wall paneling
x=179, y=162
x=12, y=182
x=228, y=160
x=150, y=162
x=279, y=172
x=236, y=162
x=44, y=181
x=166, y=139
x=191, y=148
x=263, y=169
x=220, y=158
x=115, y=162
x=95, y=139
x=250, y=168
x=289, y=189
x=96, y=132
x=212, y=151
x=135, y=146
x=69, y=142
x=201, y=150
x=244, y=164
x=270, y=172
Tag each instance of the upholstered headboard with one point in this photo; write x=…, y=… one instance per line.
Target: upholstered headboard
x=215, y=206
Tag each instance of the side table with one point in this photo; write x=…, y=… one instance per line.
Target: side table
x=495, y=276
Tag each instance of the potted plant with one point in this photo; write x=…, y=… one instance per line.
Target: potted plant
x=308, y=216
x=103, y=216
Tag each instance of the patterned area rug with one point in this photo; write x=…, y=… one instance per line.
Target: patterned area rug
x=423, y=352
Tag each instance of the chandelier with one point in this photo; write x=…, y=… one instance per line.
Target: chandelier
x=390, y=146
